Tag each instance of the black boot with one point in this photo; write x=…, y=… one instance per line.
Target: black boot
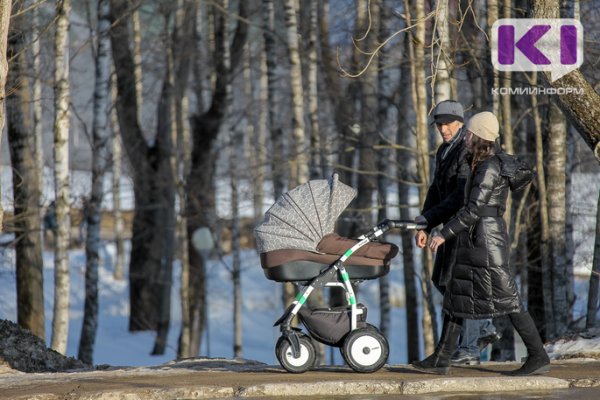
x=537, y=359
x=439, y=361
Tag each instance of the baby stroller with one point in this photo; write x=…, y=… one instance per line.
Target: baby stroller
x=297, y=244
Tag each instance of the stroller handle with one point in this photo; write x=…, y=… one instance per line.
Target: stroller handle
x=388, y=224
x=402, y=224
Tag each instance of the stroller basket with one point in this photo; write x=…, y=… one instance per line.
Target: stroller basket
x=331, y=325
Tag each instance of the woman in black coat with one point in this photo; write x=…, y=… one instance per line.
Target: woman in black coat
x=482, y=284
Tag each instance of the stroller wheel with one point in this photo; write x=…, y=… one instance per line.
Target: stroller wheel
x=365, y=349
x=285, y=355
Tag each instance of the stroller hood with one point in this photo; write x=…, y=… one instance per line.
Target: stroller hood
x=302, y=216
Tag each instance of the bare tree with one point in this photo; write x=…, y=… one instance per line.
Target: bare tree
x=443, y=61
x=555, y=168
x=592, y=305
x=60, y=319
x=26, y=192
x=153, y=222
x=5, y=9
x=116, y=152
x=100, y=161
x=543, y=216
x=419, y=97
x=582, y=105
x=316, y=163
x=206, y=125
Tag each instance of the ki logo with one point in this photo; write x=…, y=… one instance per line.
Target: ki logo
x=535, y=44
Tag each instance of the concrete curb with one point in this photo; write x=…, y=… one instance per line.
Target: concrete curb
x=438, y=385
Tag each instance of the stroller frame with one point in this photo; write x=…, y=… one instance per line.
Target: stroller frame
x=329, y=278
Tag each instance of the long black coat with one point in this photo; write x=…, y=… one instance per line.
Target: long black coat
x=444, y=198
x=482, y=284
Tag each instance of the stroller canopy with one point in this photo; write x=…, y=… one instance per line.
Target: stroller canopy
x=301, y=217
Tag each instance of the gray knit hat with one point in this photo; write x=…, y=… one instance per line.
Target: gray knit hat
x=448, y=111
x=484, y=125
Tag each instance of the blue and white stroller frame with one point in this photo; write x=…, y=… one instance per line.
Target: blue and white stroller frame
x=297, y=244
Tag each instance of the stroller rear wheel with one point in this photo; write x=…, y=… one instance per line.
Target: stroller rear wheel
x=297, y=365
x=365, y=349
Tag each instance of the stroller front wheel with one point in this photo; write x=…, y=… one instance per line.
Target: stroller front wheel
x=365, y=349
x=296, y=365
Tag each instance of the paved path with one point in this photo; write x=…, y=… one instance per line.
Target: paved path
x=219, y=378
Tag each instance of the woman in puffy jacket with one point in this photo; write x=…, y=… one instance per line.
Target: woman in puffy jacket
x=482, y=284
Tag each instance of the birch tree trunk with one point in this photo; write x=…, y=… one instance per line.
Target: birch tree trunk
x=36, y=89
x=592, y=305
x=100, y=162
x=316, y=163
x=420, y=101
x=494, y=78
x=5, y=9
x=277, y=144
x=443, y=87
x=116, y=152
x=60, y=319
x=262, y=126
x=26, y=192
x=184, y=33
x=406, y=170
x=555, y=167
x=137, y=58
x=298, y=159
x=582, y=105
x=547, y=277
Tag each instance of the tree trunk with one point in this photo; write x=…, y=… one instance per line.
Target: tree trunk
x=406, y=170
x=60, y=319
x=26, y=192
x=368, y=135
x=153, y=230
x=116, y=157
x=261, y=131
x=494, y=76
x=200, y=190
x=547, y=278
x=137, y=58
x=420, y=100
x=555, y=167
x=582, y=108
x=443, y=87
x=184, y=33
x=385, y=91
x=100, y=157
x=298, y=160
x=316, y=163
x=5, y=9
x=592, y=305
x=277, y=143
x=36, y=89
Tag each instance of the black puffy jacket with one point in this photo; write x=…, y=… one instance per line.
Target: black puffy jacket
x=482, y=284
x=444, y=198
